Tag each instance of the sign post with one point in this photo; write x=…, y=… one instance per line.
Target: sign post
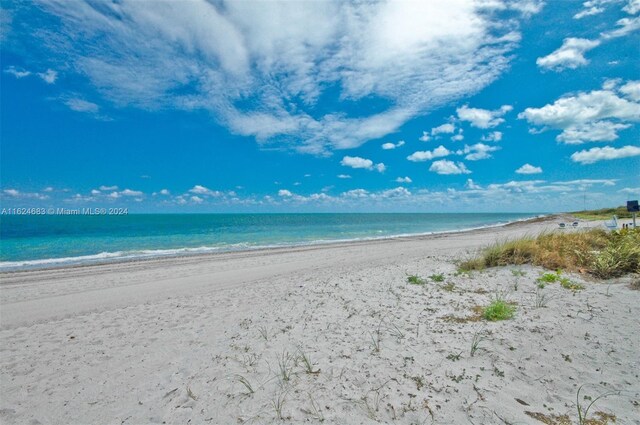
x=632, y=207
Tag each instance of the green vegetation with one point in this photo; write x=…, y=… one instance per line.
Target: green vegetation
x=415, y=280
x=596, y=251
x=437, y=277
x=499, y=309
x=602, y=214
x=549, y=277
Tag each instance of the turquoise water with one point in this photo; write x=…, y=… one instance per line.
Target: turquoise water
x=56, y=240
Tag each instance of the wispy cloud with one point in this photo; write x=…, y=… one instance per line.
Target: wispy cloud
x=263, y=77
x=389, y=145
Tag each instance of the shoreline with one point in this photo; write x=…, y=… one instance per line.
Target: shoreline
x=74, y=262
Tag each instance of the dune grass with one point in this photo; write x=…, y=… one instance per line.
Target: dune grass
x=602, y=214
x=598, y=252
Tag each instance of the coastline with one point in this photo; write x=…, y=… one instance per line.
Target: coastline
x=178, y=340
x=150, y=255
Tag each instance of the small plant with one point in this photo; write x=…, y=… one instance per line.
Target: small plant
x=517, y=274
x=583, y=412
x=278, y=403
x=437, y=277
x=285, y=366
x=549, y=277
x=307, y=364
x=415, y=280
x=315, y=410
x=454, y=357
x=395, y=331
x=499, y=309
x=245, y=383
x=449, y=287
x=478, y=337
x=376, y=337
x=541, y=298
x=264, y=333
x=567, y=284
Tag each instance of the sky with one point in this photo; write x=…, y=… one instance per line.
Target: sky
x=305, y=106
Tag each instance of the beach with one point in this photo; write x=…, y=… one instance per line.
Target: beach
x=327, y=333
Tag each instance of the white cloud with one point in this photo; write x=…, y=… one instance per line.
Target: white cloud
x=165, y=192
x=203, y=55
x=458, y=137
x=477, y=152
x=630, y=190
x=421, y=156
x=606, y=153
x=425, y=137
x=631, y=90
x=626, y=27
x=18, y=73
x=114, y=195
x=48, y=189
x=584, y=117
x=81, y=105
x=632, y=7
x=108, y=188
x=201, y=190
x=494, y=136
x=529, y=169
x=12, y=192
x=599, y=131
x=389, y=145
x=284, y=193
x=95, y=192
x=444, y=166
x=129, y=192
x=404, y=180
x=483, y=118
x=49, y=76
x=344, y=176
x=471, y=185
x=196, y=199
x=569, y=55
x=443, y=129
x=358, y=162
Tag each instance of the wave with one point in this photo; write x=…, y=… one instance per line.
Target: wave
x=121, y=256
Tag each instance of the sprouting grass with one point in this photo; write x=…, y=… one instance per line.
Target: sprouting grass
x=415, y=280
x=264, y=333
x=449, y=287
x=595, y=251
x=583, y=411
x=549, y=277
x=285, y=366
x=278, y=404
x=541, y=298
x=568, y=284
x=245, y=383
x=307, y=363
x=439, y=277
x=478, y=337
x=499, y=309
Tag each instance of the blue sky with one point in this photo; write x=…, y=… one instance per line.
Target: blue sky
x=216, y=106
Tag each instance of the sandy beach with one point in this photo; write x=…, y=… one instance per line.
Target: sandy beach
x=331, y=334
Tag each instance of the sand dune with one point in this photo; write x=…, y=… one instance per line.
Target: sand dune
x=327, y=333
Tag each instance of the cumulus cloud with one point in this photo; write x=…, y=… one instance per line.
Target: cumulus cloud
x=585, y=117
x=606, y=153
x=631, y=90
x=165, y=192
x=529, y=169
x=285, y=193
x=202, y=190
x=263, y=77
x=404, y=180
x=477, y=152
x=358, y=162
x=425, y=137
x=49, y=76
x=632, y=7
x=494, y=136
x=471, y=185
x=389, y=145
x=569, y=55
x=421, y=156
x=444, y=166
x=196, y=199
x=483, y=118
x=443, y=129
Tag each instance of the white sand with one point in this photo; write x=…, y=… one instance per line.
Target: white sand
x=169, y=341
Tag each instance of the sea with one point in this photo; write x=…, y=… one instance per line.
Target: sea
x=46, y=241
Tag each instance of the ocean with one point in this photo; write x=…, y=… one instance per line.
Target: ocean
x=28, y=241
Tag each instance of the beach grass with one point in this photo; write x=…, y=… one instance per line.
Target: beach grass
x=602, y=214
x=595, y=251
x=499, y=309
